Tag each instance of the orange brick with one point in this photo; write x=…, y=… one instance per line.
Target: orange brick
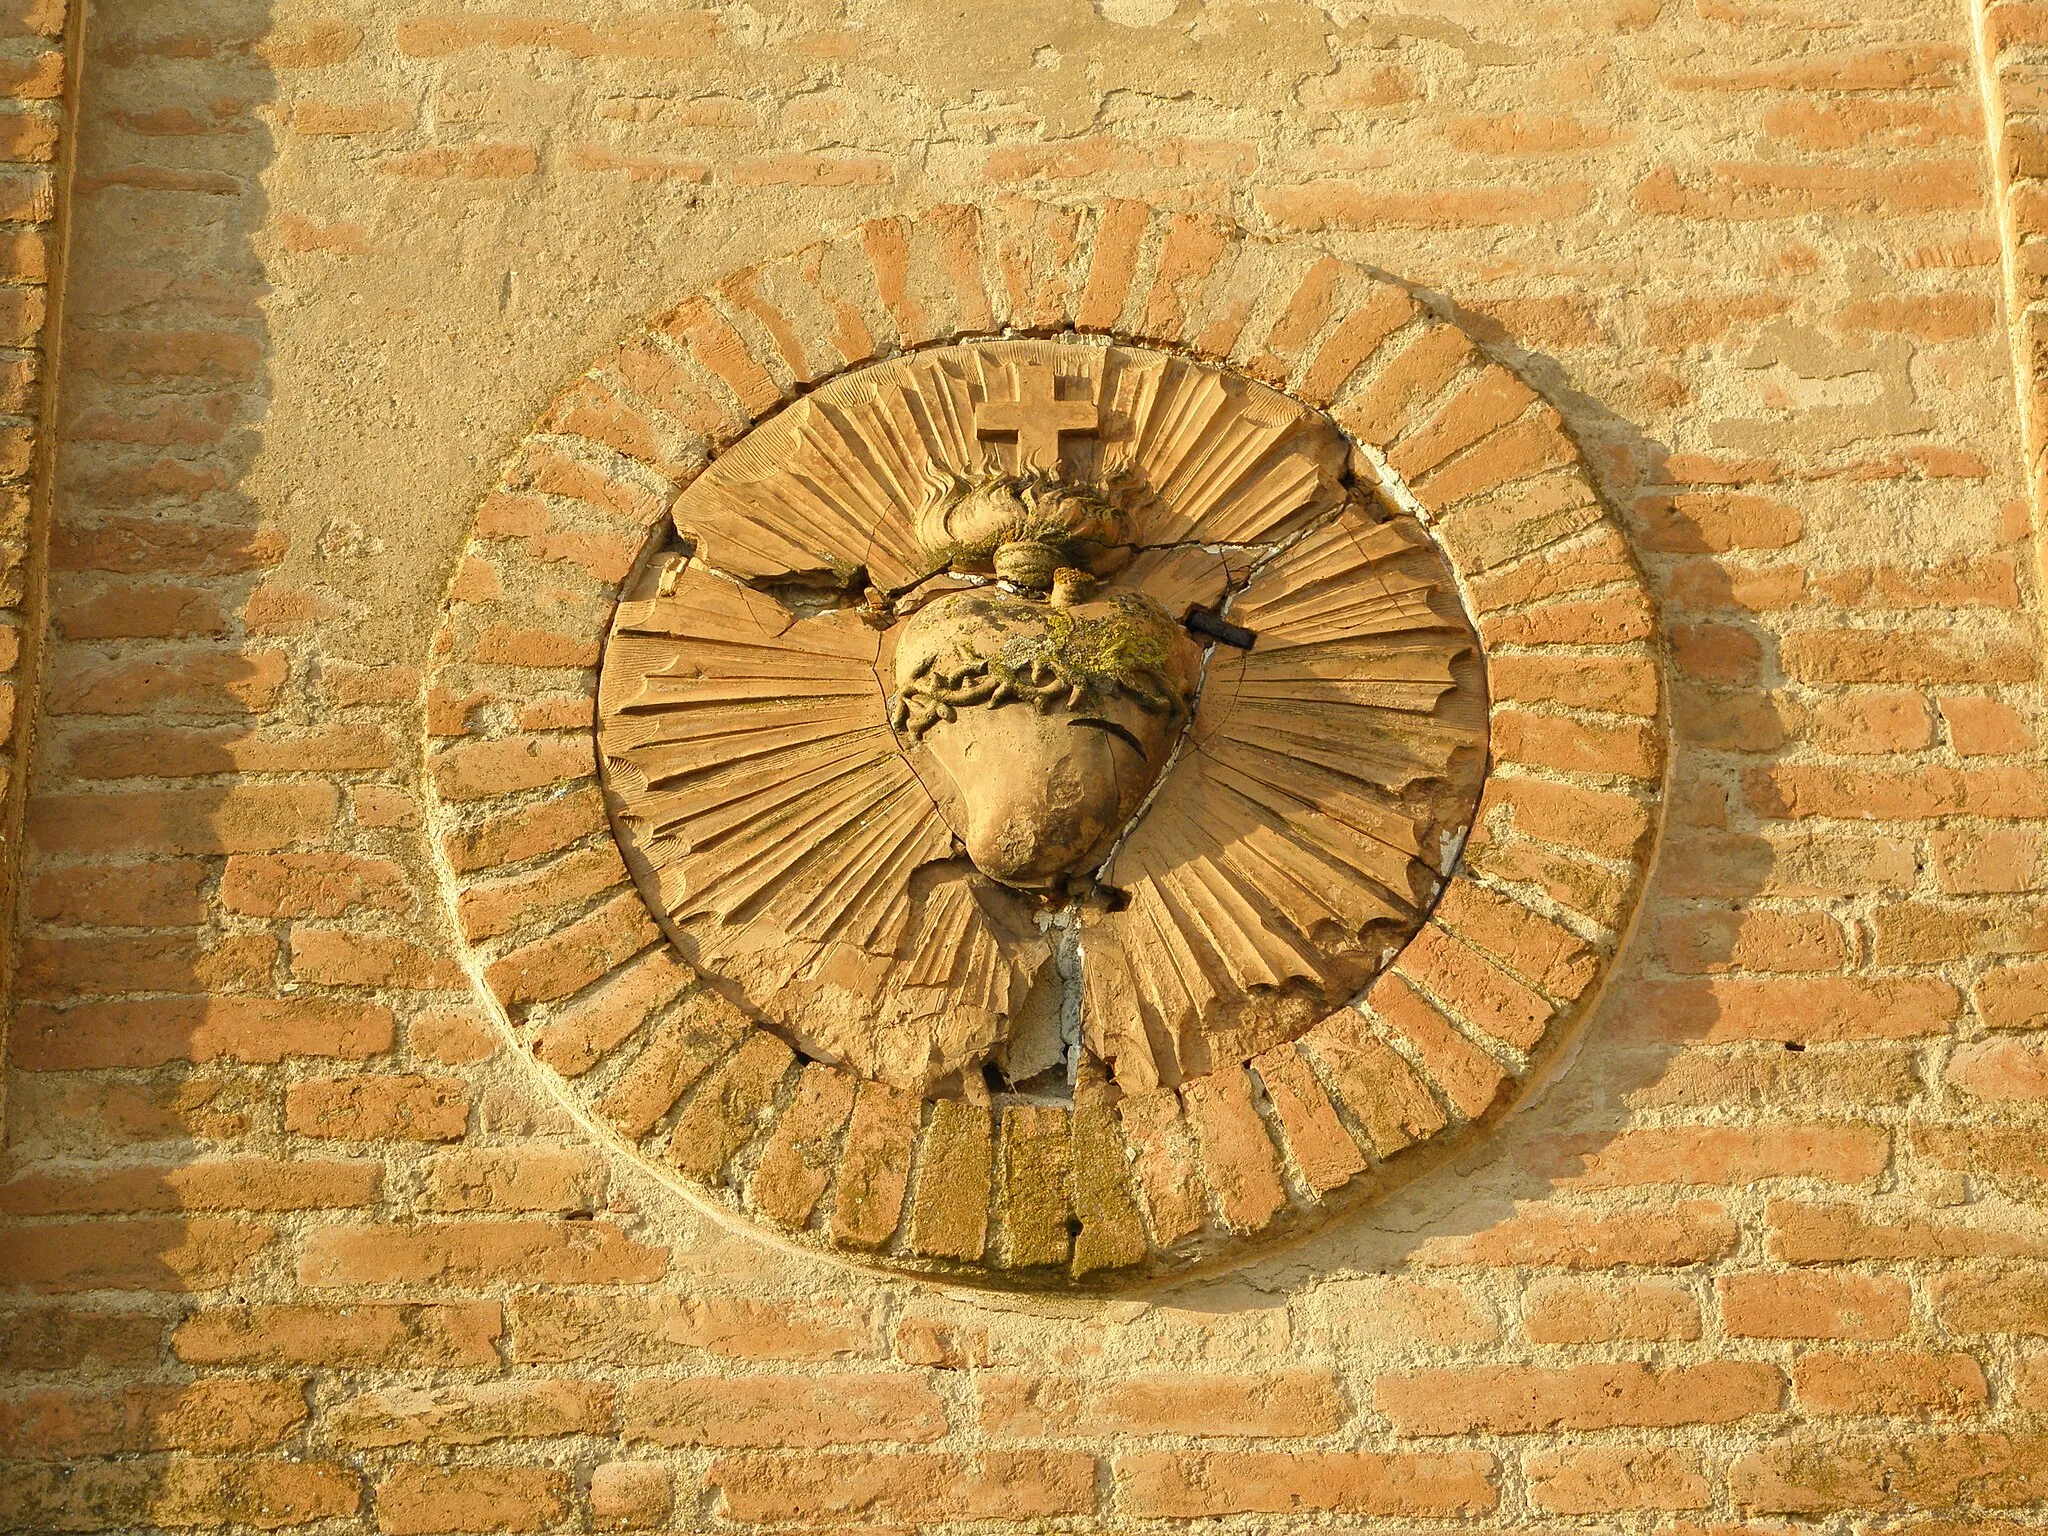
x=313, y=885
x=246, y=818
x=1892, y=1382
x=257, y=1030
x=471, y=1414
x=228, y=1183
x=182, y=1492
x=1194, y=1484
x=1521, y=1400
x=2000, y=1071
x=1985, y=727
x=1572, y=746
x=371, y=1333
x=784, y=1412
x=478, y=1252
x=1590, y=1312
x=220, y=1414
x=1281, y=1404
x=823, y=1486
x=1754, y=940
x=661, y=1329
x=427, y=1500
x=378, y=1106
x=1800, y=1009
x=1593, y=1480
x=150, y=1254
x=60, y=1338
x=1814, y=1305
x=1891, y=1473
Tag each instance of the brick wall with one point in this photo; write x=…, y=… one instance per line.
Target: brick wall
x=293, y=1241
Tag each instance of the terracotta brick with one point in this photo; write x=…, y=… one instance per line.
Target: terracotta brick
x=1891, y=1473
x=567, y=961
x=1113, y=267
x=1163, y=1163
x=228, y=1183
x=245, y=818
x=631, y=1496
x=1594, y=1480
x=1754, y=940
x=413, y=1334
x=1844, y=1154
x=1357, y=337
x=61, y=1338
x=1687, y=1232
x=181, y=1492
x=1985, y=727
x=453, y=1036
x=2013, y=996
x=1892, y=1382
x=1461, y=977
x=874, y=1165
x=313, y=885
x=378, y=1106
x=1814, y=1305
x=1614, y=620
x=796, y=1165
x=726, y=1109
x=1609, y=825
x=1622, y=685
x=1237, y=1155
x=1571, y=746
x=426, y=1500
x=783, y=1412
x=1821, y=1234
x=1522, y=1400
x=1280, y=1405
x=2000, y=1301
x=2000, y=1071
x=150, y=1254
x=478, y=1253
x=1468, y=1076
x=1605, y=1312
x=577, y=1036
x=252, y=1029
x=921, y=1487
x=1385, y=1095
x=1716, y=522
x=334, y=957
x=1413, y=377
x=1322, y=1150
x=514, y=1178
x=477, y=1414
x=554, y=1327
x=1805, y=1010
x=2003, y=860
x=1896, y=656
x=220, y=1414
x=482, y=769
x=1192, y=1484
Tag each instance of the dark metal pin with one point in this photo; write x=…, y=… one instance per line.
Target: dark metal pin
x=1200, y=621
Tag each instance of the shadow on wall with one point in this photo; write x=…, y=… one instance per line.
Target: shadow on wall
x=138, y=1011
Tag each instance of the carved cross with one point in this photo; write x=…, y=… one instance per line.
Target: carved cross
x=1038, y=416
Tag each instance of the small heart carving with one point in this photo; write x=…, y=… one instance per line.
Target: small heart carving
x=1052, y=718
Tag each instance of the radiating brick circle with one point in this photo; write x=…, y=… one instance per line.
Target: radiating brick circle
x=1112, y=1190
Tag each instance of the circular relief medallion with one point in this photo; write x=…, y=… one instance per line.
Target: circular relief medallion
x=1026, y=744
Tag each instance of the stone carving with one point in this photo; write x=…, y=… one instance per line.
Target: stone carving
x=1020, y=714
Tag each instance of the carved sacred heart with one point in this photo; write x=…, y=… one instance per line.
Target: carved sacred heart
x=1052, y=715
